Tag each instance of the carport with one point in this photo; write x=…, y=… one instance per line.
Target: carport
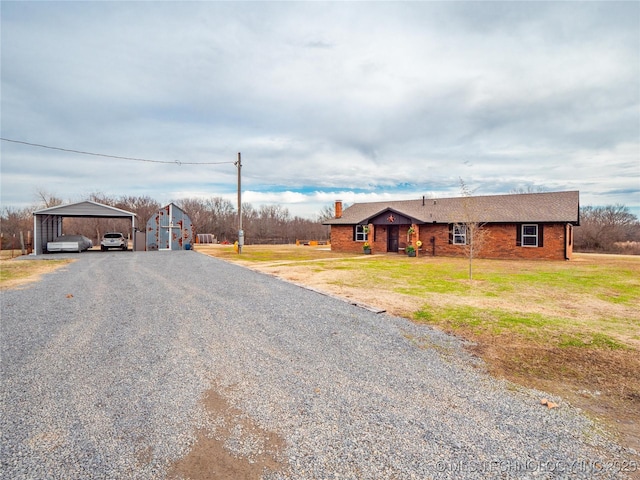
x=47, y=223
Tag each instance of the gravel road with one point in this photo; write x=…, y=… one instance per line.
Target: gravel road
x=106, y=364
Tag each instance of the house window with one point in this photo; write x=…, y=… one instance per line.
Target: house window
x=529, y=235
x=459, y=234
x=362, y=233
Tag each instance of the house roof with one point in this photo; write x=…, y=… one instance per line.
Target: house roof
x=85, y=209
x=548, y=207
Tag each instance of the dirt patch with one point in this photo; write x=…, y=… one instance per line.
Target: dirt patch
x=603, y=383
x=211, y=457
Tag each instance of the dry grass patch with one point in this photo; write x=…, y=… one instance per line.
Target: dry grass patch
x=570, y=328
x=16, y=272
x=268, y=254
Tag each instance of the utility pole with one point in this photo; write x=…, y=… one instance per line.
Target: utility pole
x=240, y=232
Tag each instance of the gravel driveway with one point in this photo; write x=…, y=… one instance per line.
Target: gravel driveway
x=106, y=365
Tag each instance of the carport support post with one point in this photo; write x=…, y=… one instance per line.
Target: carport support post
x=240, y=232
x=133, y=232
x=37, y=249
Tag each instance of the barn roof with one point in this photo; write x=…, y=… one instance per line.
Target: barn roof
x=548, y=207
x=85, y=209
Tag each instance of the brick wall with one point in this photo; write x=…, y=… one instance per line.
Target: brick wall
x=500, y=241
x=342, y=239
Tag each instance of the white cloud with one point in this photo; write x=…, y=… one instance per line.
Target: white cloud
x=356, y=100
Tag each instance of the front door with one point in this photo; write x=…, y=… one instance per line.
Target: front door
x=393, y=232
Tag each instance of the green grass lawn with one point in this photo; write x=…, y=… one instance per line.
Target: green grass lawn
x=591, y=302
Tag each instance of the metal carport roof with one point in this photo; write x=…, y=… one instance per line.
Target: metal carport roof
x=47, y=223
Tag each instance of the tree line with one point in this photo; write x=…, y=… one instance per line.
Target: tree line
x=267, y=224
x=611, y=228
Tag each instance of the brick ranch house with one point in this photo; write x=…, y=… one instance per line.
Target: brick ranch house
x=517, y=226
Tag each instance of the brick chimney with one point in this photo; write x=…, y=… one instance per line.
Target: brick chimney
x=338, y=208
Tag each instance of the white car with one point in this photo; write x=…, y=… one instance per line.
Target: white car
x=69, y=243
x=114, y=240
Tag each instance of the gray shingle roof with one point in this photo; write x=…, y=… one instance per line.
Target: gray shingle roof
x=87, y=208
x=551, y=207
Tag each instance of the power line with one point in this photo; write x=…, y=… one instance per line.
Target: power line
x=177, y=162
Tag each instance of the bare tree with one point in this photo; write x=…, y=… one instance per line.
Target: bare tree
x=103, y=198
x=144, y=207
x=12, y=222
x=48, y=199
x=272, y=223
x=529, y=189
x=197, y=212
x=473, y=231
x=601, y=227
x=224, y=218
x=249, y=222
x=327, y=213
x=212, y=215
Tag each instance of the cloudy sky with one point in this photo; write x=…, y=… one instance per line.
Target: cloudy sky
x=361, y=101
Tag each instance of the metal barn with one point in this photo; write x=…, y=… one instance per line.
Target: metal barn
x=169, y=229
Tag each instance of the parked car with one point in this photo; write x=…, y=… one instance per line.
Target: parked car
x=69, y=243
x=114, y=240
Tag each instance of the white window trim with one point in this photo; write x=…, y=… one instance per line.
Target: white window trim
x=523, y=236
x=361, y=236
x=461, y=234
